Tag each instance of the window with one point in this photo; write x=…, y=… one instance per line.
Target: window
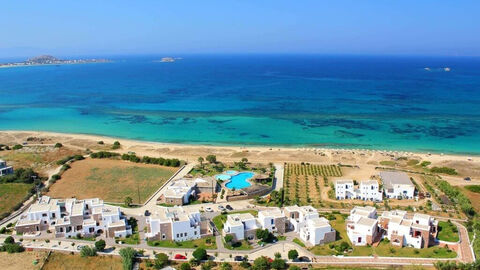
x=53, y=215
x=178, y=235
x=164, y=236
x=271, y=221
x=44, y=214
x=195, y=232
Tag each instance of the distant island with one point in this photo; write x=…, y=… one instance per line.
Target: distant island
x=51, y=60
x=168, y=59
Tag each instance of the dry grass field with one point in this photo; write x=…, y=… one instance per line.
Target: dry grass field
x=39, y=158
x=22, y=260
x=62, y=261
x=303, y=182
x=111, y=180
x=11, y=194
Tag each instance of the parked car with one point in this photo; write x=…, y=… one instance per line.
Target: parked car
x=238, y=258
x=209, y=209
x=221, y=208
x=230, y=208
x=79, y=247
x=180, y=257
x=147, y=213
x=303, y=259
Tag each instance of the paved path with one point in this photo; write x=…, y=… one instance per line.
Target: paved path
x=465, y=250
x=278, y=176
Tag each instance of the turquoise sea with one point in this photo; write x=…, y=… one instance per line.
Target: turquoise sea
x=374, y=102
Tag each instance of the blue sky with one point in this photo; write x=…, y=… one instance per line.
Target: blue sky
x=425, y=27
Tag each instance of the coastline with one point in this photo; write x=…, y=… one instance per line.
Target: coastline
x=255, y=153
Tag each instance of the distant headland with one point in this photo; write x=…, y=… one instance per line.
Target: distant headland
x=51, y=60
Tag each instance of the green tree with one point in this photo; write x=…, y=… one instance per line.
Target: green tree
x=264, y=235
x=185, y=266
x=88, y=251
x=9, y=240
x=128, y=201
x=212, y=158
x=100, y=245
x=292, y=254
x=228, y=238
x=161, y=260
x=200, y=254
x=261, y=263
x=279, y=264
x=58, y=145
x=201, y=160
x=127, y=254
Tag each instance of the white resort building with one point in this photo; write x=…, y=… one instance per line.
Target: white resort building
x=176, y=224
x=368, y=190
x=419, y=231
x=273, y=220
x=397, y=185
x=362, y=226
x=344, y=189
x=305, y=221
x=71, y=217
x=4, y=169
x=241, y=226
x=181, y=191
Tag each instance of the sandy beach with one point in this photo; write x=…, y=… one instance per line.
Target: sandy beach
x=465, y=165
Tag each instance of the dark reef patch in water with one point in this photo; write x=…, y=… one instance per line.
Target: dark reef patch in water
x=446, y=132
x=347, y=134
x=338, y=122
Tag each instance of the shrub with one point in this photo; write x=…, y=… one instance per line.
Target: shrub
x=261, y=263
x=116, y=145
x=279, y=264
x=127, y=254
x=9, y=240
x=161, y=260
x=292, y=254
x=88, y=251
x=185, y=266
x=100, y=245
x=56, y=177
x=58, y=145
x=17, y=147
x=226, y=266
x=100, y=142
x=200, y=254
x=444, y=170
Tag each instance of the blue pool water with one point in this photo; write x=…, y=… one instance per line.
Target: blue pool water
x=239, y=181
x=231, y=172
x=223, y=177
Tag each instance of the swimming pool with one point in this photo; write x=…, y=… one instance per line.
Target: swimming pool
x=231, y=172
x=223, y=177
x=239, y=181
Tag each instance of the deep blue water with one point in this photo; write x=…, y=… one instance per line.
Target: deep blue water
x=329, y=101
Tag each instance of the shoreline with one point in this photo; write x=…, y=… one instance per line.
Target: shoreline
x=301, y=153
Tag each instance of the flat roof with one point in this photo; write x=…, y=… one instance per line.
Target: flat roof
x=395, y=178
x=344, y=181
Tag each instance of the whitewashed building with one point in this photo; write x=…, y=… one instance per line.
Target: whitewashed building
x=344, y=189
x=241, y=226
x=362, y=226
x=368, y=190
x=419, y=231
x=273, y=220
x=4, y=169
x=397, y=185
x=70, y=217
x=306, y=221
x=176, y=224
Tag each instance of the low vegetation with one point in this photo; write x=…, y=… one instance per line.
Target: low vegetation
x=447, y=231
x=303, y=182
x=63, y=261
x=206, y=243
x=473, y=188
x=444, y=170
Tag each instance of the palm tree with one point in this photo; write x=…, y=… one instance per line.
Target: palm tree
x=200, y=159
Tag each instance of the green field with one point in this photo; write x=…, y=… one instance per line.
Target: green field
x=11, y=194
x=447, y=231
